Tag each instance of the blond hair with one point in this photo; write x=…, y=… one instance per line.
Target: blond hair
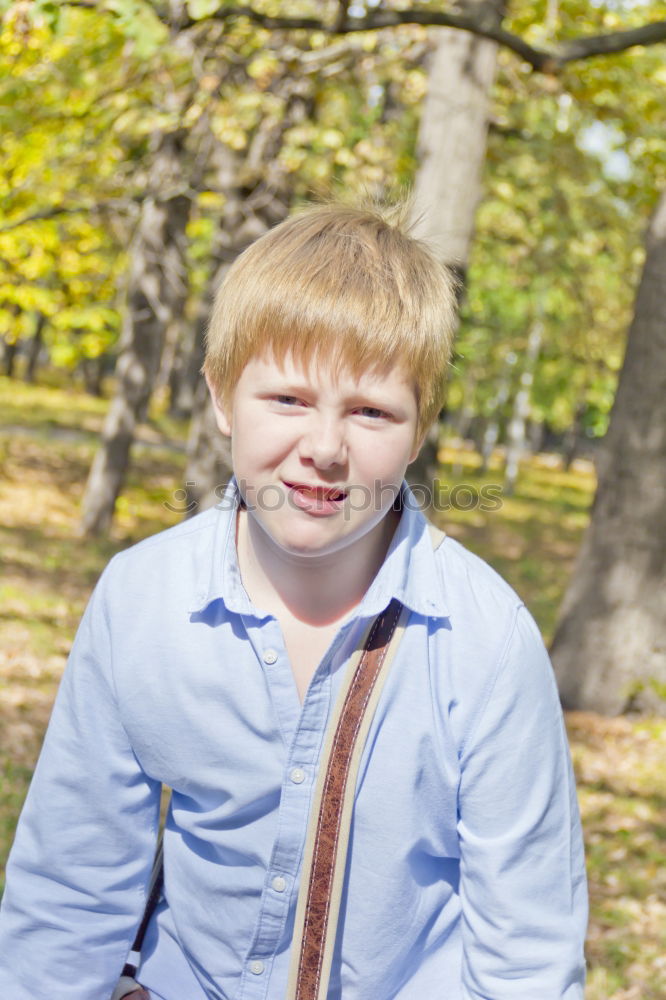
x=343, y=286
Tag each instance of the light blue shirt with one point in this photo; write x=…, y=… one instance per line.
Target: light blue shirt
x=465, y=878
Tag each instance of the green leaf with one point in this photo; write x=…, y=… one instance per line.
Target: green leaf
x=140, y=23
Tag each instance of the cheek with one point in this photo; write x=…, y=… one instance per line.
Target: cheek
x=386, y=459
x=257, y=441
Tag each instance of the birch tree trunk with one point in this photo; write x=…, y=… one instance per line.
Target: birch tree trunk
x=609, y=649
x=500, y=399
x=450, y=151
x=452, y=138
x=516, y=434
x=157, y=292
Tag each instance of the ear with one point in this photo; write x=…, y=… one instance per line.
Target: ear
x=222, y=417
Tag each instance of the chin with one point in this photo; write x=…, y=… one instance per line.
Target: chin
x=306, y=540
x=301, y=545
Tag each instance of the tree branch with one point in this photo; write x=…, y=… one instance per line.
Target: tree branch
x=615, y=41
x=55, y=211
x=548, y=61
x=45, y=213
x=543, y=60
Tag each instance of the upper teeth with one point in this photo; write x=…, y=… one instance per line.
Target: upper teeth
x=315, y=491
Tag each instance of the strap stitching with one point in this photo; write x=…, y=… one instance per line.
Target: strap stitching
x=306, y=923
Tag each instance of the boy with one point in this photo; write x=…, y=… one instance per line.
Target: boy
x=210, y=656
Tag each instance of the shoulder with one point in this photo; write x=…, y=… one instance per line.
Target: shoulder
x=487, y=605
x=174, y=559
x=488, y=634
x=473, y=590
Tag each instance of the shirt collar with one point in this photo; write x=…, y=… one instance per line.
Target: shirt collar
x=409, y=571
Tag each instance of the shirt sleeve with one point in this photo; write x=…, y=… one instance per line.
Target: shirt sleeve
x=523, y=887
x=81, y=860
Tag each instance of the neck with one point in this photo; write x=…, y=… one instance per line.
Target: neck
x=317, y=590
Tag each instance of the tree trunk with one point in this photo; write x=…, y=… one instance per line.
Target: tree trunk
x=187, y=379
x=462, y=423
x=492, y=430
x=246, y=216
x=208, y=457
x=536, y=433
x=573, y=435
x=258, y=196
x=609, y=649
x=93, y=371
x=176, y=338
x=157, y=291
x=450, y=151
x=516, y=436
x=452, y=139
x=10, y=349
x=34, y=349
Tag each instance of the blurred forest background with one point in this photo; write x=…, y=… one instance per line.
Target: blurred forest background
x=145, y=144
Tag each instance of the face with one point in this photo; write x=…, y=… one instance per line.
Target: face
x=319, y=455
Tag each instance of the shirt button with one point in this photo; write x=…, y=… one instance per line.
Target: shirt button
x=256, y=967
x=297, y=775
x=270, y=656
x=279, y=883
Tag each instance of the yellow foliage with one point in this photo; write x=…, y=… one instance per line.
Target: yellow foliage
x=263, y=68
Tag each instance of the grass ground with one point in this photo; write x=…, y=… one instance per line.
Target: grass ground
x=47, y=438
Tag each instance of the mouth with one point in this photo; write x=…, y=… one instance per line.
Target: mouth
x=321, y=493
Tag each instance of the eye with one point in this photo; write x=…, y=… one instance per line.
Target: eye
x=373, y=412
x=284, y=400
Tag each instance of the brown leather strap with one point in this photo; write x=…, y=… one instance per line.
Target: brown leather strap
x=326, y=850
x=129, y=989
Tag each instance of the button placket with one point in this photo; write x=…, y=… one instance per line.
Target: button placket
x=302, y=747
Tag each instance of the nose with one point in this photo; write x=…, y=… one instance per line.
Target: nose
x=324, y=443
